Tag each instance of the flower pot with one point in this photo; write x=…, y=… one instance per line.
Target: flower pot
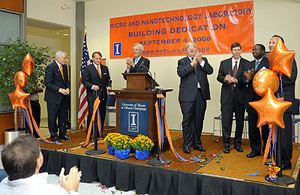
x=139, y=154
x=110, y=150
x=11, y=134
x=122, y=154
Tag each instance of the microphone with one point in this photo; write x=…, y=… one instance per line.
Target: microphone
x=149, y=72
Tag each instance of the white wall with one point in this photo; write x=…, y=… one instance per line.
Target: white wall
x=52, y=11
x=53, y=39
x=270, y=17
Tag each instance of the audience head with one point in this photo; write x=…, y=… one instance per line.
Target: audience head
x=61, y=57
x=137, y=50
x=236, y=50
x=22, y=157
x=258, y=51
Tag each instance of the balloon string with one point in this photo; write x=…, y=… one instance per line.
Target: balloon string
x=281, y=87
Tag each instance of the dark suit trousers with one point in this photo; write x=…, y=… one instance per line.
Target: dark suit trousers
x=227, y=109
x=192, y=123
x=36, y=113
x=254, y=134
x=57, y=111
x=102, y=109
x=287, y=139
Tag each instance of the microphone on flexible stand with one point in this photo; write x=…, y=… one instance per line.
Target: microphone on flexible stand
x=149, y=72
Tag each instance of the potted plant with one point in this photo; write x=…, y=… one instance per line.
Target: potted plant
x=108, y=140
x=122, y=145
x=11, y=58
x=142, y=145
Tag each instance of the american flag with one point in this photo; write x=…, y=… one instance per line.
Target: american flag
x=83, y=105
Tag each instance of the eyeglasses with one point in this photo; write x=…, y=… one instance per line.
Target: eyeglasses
x=191, y=47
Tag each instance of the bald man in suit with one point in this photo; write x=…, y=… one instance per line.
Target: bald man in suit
x=251, y=69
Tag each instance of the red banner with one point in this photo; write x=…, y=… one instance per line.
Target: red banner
x=212, y=28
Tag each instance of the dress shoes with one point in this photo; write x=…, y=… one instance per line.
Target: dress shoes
x=54, y=138
x=252, y=154
x=65, y=137
x=268, y=163
x=239, y=148
x=286, y=166
x=200, y=148
x=226, y=150
x=186, y=150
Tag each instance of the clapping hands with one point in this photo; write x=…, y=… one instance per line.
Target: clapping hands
x=70, y=182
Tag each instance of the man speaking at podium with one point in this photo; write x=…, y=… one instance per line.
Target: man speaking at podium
x=97, y=81
x=138, y=63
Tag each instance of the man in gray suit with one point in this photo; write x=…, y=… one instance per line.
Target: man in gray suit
x=193, y=93
x=233, y=91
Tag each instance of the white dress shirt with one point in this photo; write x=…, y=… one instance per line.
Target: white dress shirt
x=34, y=185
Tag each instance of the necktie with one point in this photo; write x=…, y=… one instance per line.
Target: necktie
x=234, y=70
x=98, y=69
x=62, y=73
x=256, y=64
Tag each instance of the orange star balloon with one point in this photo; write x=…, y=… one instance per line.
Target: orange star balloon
x=18, y=98
x=281, y=59
x=28, y=65
x=21, y=79
x=270, y=110
x=263, y=80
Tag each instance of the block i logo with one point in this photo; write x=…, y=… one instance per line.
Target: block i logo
x=133, y=121
x=117, y=49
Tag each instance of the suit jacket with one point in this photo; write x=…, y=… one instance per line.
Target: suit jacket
x=240, y=87
x=189, y=79
x=54, y=81
x=288, y=84
x=139, y=66
x=251, y=95
x=90, y=77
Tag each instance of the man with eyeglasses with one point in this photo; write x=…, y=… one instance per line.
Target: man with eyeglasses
x=193, y=93
x=233, y=96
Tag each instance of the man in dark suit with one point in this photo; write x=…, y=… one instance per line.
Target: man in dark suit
x=250, y=70
x=288, y=85
x=138, y=63
x=57, y=90
x=97, y=81
x=231, y=75
x=193, y=93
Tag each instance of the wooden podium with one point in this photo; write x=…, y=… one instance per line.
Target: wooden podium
x=135, y=105
x=139, y=81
